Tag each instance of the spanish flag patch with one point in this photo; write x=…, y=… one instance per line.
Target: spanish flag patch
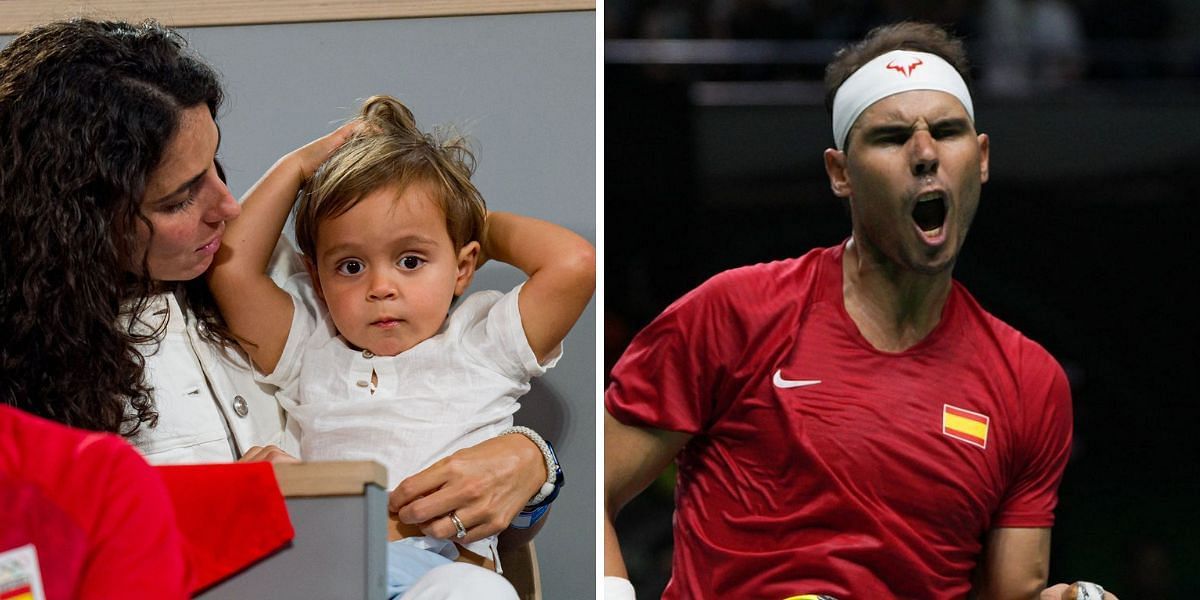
x=960, y=424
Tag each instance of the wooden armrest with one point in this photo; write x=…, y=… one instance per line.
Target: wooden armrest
x=334, y=478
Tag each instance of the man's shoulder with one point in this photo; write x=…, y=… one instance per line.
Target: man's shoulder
x=741, y=300
x=1018, y=348
x=779, y=279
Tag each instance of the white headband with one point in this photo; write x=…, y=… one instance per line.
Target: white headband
x=892, y=73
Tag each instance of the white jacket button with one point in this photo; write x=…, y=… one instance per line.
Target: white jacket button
x=240, y=407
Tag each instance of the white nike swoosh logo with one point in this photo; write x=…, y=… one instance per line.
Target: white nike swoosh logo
x=780, y=382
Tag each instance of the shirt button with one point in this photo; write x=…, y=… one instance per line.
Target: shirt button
x=362, y=383
x=368, y=354
x=240, y=407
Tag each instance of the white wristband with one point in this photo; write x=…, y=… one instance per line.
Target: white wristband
x=618, y=588
x=551, y=464
x=1087, y=590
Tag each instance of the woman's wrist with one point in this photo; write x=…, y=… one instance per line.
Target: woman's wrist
x=538, y=505
x=554, y=477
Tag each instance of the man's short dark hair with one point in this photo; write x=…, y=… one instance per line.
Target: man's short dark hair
x=905, y=35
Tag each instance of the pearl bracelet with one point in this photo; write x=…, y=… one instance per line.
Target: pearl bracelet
x=553, y=471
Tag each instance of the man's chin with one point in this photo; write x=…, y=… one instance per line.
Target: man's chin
x=938, y=264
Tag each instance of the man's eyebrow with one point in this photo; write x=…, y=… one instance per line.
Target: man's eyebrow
x=887, y=129
x=961, y=122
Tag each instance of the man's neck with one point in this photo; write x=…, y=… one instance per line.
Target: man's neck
x=893, y=308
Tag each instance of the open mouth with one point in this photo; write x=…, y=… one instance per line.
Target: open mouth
x=930, y=213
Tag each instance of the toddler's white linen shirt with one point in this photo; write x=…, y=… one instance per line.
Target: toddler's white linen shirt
x=451, y=391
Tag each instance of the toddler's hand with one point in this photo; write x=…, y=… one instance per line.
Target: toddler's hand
x=310, y=156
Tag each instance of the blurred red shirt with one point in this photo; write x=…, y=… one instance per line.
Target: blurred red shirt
x=98, y=516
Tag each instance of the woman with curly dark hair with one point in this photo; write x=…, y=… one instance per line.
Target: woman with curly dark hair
x=112, y=204
x=87, y=110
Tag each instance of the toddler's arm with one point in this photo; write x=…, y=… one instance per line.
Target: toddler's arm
x=562, y=274
x=258, y=313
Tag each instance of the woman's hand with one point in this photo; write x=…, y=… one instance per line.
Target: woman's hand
x=485, y=485
x=269, y=454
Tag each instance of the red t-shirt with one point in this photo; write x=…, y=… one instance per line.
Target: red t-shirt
x=98, y=516
x=821, y=465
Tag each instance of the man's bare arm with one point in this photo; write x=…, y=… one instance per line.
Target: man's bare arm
x=633, y=457
x=1015, y=564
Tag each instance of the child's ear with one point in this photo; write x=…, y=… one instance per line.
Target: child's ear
x=466, y=267
x=316, y=281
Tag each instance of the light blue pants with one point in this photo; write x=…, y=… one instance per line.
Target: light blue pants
x=431, y=576
x=406, y=564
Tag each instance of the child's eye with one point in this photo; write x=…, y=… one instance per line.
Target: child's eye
x=410, y=262
x=350, y=267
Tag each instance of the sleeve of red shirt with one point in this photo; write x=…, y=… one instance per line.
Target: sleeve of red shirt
x=105, y=524
x=136, y=545
x=1046, y=396
x=231, y=516
x=667, y=376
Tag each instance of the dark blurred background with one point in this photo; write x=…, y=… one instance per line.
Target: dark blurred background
x=714, y=128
